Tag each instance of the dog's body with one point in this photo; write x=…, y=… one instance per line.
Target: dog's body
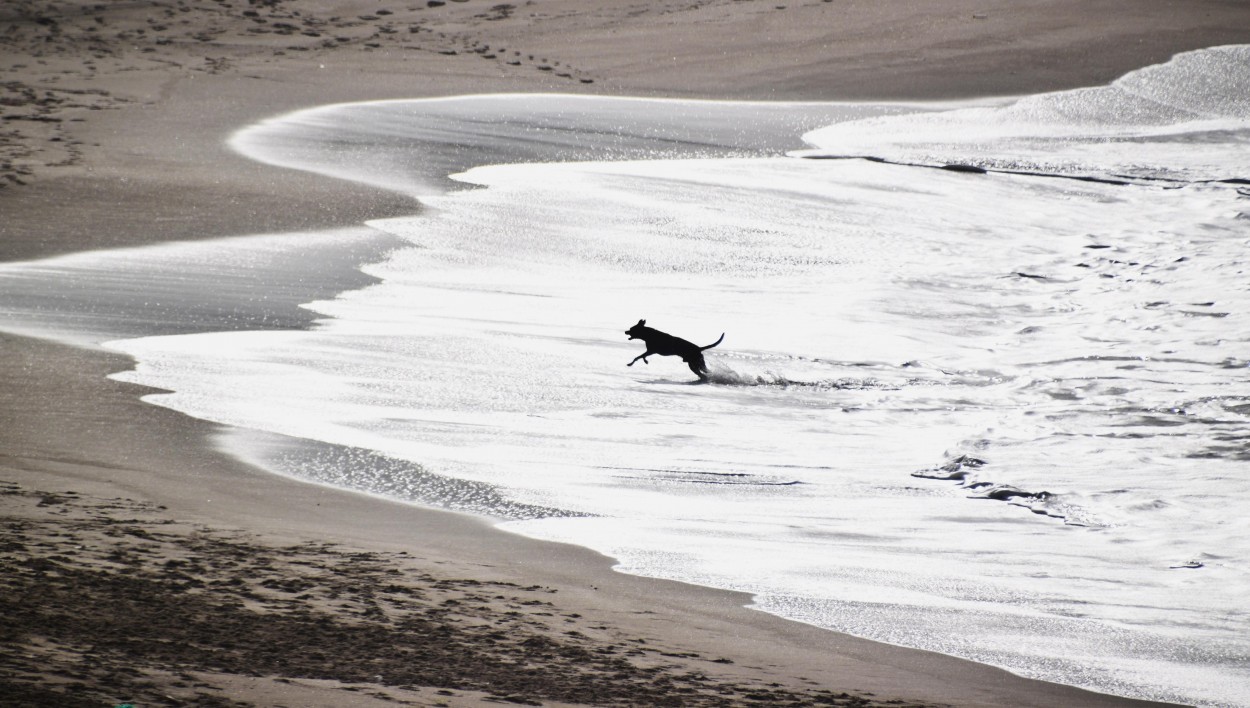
x=667, y=345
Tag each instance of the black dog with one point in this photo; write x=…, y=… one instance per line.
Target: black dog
x=667, y=345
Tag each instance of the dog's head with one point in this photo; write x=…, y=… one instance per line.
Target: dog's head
x=636, y=332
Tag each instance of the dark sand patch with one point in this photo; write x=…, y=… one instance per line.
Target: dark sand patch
x=111, y=601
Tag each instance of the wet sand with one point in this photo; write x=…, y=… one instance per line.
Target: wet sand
x=133, y=606
x=153, y=568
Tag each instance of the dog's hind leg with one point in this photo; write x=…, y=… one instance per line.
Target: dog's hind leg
x=698, y=366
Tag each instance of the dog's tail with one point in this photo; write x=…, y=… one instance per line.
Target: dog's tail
x=722, y=338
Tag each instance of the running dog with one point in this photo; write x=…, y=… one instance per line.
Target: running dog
x=667, y=345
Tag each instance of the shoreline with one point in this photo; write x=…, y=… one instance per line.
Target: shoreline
x=109, y=118
x=208, y=487
x=158, y=158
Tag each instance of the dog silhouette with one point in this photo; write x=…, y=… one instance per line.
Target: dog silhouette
x=667, y=345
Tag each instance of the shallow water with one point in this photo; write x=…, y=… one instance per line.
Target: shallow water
x=1001, y=415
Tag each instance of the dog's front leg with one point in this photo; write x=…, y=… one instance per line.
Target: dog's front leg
x=642, y=356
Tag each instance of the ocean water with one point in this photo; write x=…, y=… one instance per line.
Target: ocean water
x=983, y=388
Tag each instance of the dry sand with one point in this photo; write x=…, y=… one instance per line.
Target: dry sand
x=142, y=564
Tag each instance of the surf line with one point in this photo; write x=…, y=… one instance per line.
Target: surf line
x=1116, y=180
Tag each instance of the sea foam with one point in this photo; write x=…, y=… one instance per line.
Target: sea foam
x=1000, y=415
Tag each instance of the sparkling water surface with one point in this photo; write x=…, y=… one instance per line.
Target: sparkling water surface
x=999, y=411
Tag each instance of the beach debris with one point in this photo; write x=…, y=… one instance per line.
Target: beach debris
x=956, y=469
x=1004, y=492
x=962, y=469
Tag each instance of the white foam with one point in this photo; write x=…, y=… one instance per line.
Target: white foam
x=1081, y=339
x=1185, y=120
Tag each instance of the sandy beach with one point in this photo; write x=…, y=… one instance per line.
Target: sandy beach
x=150, y=567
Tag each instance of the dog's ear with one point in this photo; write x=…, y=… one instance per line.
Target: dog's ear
x=642, y=323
